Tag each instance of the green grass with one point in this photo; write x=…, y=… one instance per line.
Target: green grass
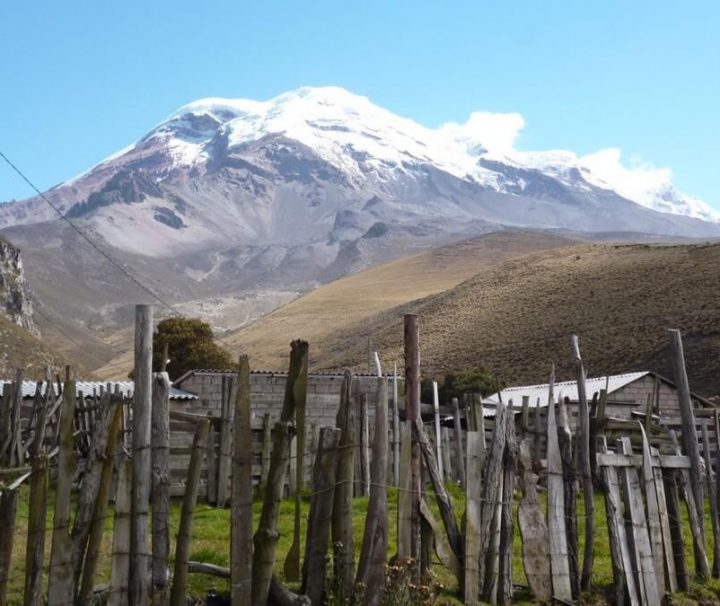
x=211, y=532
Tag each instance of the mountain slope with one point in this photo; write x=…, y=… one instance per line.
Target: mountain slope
x=230, y=208
x=516, y=318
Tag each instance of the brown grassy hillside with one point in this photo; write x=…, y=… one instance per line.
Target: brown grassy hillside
x=18, y=348
x=516, y=318
x=334, y=308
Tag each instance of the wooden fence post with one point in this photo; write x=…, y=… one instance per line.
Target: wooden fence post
x=320, y=516
x=241, y=524
x=37, y=517
x=585, y=466
x=97, y=525
x=505, y=586
x=459, y=450
x=569, y=494
x=364, y=447
x=119, y=580
x=371, y=568
x=438, y=440
x=228, y=389
x=296, y=389
x=473, y=519
x=412, y=413
x=342, y=532
x=8, y=514
x=141, y=458
x=396, y=429
x=266, y=446
x=687, y=415
x=160, y=495
x=61, y=587
x=182, y=549
x=559, y=564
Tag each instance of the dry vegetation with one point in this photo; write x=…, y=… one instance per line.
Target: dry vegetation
x=18, y=348
x=336, y=307
x=516, y=318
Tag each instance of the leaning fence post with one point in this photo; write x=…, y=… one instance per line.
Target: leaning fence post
x=141, y=457
x=182, y=549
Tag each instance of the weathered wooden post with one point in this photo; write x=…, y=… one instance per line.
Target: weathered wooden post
x=97, y=526
x=585, y=465
x=121, y=537
x=225, y=454
x=61, y=586
x=160, y=492
x=473, y=519
x=396, y=429
x=182, y=549
x=320, y=516
x=567, y=455
x=371, y=568
x=35, y=549
x=266, y=446
x=141, y=458
x=241, y=497
x=459, y=450
x=296, y=391
x=8, y=514
x=713, y=496
x=342, y=532
x=689, y=434
x=364, y=446
x=559, y=564
x=266, y=538
x=505, y=585
x=438, y=440
x=412, y=413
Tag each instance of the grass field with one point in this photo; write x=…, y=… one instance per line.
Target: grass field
x=210, y=544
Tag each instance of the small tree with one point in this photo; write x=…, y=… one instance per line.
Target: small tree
x=190, y=344
x=455, y=384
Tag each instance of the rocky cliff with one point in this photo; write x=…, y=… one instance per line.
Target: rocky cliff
x=15, y=299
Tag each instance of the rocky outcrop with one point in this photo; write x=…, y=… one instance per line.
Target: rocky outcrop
x=15, y=299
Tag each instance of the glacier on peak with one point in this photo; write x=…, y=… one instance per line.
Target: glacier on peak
x=341, y=127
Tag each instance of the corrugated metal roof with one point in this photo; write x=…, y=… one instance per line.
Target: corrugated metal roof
x=565, y=389
x=126, y=388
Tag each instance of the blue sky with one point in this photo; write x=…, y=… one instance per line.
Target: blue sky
x=80, y=80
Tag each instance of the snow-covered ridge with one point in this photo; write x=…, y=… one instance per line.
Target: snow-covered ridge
x=366, y=141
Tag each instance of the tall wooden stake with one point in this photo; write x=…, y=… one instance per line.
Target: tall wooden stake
x=412, y=413
x=296, y=391
x=396, y=429
x=35, y=550
x=160, y=496
x=585, y=467
x=141, y=480
x=438, y=440
x=242, y=493
x=689, y=434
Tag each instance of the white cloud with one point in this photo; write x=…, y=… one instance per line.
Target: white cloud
x=496, y=132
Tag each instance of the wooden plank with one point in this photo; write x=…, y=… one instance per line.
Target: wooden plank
x=459, y=450
x=570, y=495
x=404, y=513
x=266, y=446
x=140, y=561
x=8, y=515
x=61, y=584
x=241, y=493
x=622, y=563
x=397, y=430
x=612, y=459
x=505, y=585
x=121, y=537
x=37, y=518
x=556, y=506
x=447, y=462
x=442, y=547
x=473, y=507
x=653, y=514
x=669, y=560
x=642, y=549
x=224, y=457
x=533, y=529
x=211, y=464
x=438, y=441
x=670, y=482
x=712, y=496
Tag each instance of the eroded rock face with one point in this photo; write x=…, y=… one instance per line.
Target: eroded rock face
x=15, y=300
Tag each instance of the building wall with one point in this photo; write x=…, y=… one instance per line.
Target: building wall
x=637, y=392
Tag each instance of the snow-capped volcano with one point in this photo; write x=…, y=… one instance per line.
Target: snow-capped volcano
x=368, y=142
